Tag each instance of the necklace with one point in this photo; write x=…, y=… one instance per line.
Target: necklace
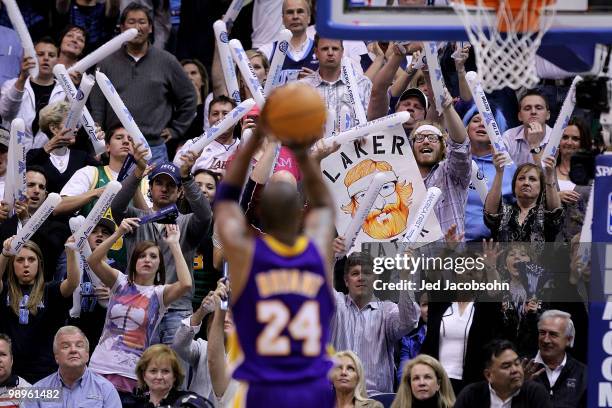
x=563, y=173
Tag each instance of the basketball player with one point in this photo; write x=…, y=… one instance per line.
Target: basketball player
x=281, y=286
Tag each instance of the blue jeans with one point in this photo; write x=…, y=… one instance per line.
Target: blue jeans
x=159, y=154
x=170, y=323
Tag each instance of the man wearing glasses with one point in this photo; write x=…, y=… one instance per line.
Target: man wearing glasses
x=444, y=160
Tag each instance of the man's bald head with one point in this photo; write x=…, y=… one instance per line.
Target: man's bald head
x=283, y=176
x=280, y=207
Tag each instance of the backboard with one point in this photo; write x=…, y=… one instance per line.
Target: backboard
x=576, y=21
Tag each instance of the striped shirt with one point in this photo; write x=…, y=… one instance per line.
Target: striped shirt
x=338, y=101
x=372, y=334
x=518, y=147
x=452, y=176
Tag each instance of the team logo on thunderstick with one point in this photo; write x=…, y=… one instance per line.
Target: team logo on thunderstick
x=223, y=37
x=283, y=46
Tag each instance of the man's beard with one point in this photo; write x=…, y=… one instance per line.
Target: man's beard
x=392, y=221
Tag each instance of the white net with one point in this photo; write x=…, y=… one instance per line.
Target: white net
x=506, y=41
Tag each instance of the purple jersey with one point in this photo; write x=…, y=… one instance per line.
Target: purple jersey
x=283, y=315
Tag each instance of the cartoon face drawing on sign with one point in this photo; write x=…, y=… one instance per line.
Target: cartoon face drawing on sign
x=389, y=214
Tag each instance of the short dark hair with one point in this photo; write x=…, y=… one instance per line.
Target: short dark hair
x=358, y=259
x=203, y=73
x=494, y=348
x=317, y=38
x=69, y=28
x=586, y=141
x=133, y=6
x=533, y=92
x=37, y=169
x=46, y=40
x=221, y=99
x=211, y=173
x=111, y=131
x=8, y=340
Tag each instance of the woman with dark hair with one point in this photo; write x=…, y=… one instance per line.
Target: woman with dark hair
x=198, y=75
x=138, y=302
x=576, y=137
x=72, y=42
x=31, y=311
x=207, y=260
x=536, y=216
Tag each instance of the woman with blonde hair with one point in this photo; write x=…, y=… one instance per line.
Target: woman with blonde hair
x=32, y=310
x=424, y=385
x=348, y=378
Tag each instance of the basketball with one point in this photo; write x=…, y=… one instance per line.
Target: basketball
x=294, y=113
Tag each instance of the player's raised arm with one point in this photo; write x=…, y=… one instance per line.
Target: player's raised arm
x=230, y=220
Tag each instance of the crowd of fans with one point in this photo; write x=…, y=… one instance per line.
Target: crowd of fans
x=149, y=301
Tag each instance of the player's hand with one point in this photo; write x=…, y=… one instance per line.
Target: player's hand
x=173, y=234
x=128, y=225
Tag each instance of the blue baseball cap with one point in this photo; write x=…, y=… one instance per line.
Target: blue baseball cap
x=169, y=169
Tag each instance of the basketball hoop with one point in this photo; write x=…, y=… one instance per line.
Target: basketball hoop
x=506, y=35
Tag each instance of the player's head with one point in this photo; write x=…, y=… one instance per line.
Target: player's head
x=296, y=15
x=428, y=143
x=389, y=214
x=218, y=108
x=414, y=101
x=329, y=52
x=280, y=209
x=147, y=264
x=533, y=107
